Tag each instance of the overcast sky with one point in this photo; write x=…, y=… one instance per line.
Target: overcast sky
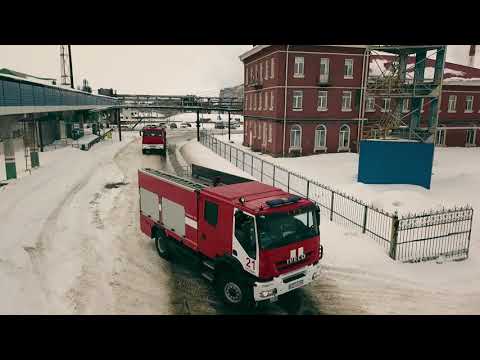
x=153, y=69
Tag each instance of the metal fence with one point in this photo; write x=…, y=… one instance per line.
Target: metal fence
x=417, y=237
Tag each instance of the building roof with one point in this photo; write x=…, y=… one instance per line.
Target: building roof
x=258, y=48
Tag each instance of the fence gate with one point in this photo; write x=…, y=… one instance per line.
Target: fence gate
x=429, y=236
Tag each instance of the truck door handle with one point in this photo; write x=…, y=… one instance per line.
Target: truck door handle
x=234, y=252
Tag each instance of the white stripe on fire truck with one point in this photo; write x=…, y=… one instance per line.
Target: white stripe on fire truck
x=190, y=222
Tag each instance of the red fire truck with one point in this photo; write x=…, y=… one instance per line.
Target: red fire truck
x=154, y=139
x=253, y=241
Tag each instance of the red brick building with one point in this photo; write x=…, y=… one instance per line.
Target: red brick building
x=323, y=98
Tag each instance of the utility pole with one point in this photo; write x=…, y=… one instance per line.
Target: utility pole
x=71, y=70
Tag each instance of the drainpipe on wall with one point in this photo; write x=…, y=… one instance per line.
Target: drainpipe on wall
x=285, y=105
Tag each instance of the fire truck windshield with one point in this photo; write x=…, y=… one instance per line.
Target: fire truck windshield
x=281, y=229
x=152, y=133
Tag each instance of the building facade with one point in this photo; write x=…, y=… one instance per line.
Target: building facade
x=320, y=110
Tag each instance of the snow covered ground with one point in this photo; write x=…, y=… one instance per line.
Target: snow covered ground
x=69, y=244
x=358, y=277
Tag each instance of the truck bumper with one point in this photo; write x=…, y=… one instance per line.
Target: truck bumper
x=285, y=283
x=153, y=146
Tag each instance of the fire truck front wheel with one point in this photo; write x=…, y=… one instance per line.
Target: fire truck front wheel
x=161, y=245
x=234, y=292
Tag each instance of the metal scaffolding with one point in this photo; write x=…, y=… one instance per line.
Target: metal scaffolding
x=395, y=85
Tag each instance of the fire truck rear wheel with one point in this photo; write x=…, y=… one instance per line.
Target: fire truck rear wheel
x=233, y=291
x=161, y=245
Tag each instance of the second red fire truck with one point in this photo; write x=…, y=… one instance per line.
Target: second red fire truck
x=253, y=241
x=154, y=139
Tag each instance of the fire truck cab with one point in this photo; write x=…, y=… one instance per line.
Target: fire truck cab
x=255, y=242
x=154, y=139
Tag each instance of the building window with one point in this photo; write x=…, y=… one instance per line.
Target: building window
x=386, y=105
x=264, y=136
x=471, y=134
x=344, y=138
x=297, y=100
x=271, y=68
x=324, y=69
x=320, y=137
x=406, y=105
x=441, y=135
x=256, y=72
x=270, y=132
x=265, y=106
x=251, y=101
x=347, y=101
x=452, y=103
x=271, y=100
x=370, y=103
x=469, y=104
x=259, y=101
x=298, y=69
x=266, y=69
x=261, y=73
x=255, y=101
x=322, y=101
x=246, y=75
x=348, y=69
x=246, y=102
x=251, y=74
x=295, y=137
x=211, y=213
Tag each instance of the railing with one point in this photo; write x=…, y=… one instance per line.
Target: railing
x=418, y=237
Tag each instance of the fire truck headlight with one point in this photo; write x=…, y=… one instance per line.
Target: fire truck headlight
x=268, y=293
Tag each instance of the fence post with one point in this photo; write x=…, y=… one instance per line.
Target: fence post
x=230, y=153
x=261, y=173
x=394, y=237
x=288, y=182
x=365, y=219
x=331, y=207
x=308, y=188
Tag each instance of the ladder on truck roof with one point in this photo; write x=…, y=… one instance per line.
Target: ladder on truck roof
x=175, y=179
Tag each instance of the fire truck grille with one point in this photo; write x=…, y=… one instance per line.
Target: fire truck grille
x=283, y=265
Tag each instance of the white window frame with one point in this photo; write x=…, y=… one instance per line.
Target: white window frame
x=341, y=135
x=271, y=100
x=440, y=130
x=369, y=108
x=295, y=102
x=452, y=109
x=270, y=132
x=299, y=128
x=467, y=98
x=322, y=94
x=345, y=68
x=265, y=106
x=406, y=105
x=473, y=143
x=272, y=67
x=345, y=109
x=317, y=147
x=266, y=69
x=298, y=65
x=260, y=101
x=326, y=62
x=386, y=101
